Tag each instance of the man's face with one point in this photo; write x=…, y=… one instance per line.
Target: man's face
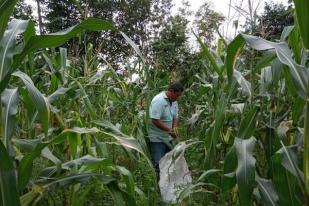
x=175, y=95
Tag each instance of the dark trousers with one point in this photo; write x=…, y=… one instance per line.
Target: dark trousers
x=158, y=150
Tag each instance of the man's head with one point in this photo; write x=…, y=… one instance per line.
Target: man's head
x=174, y=91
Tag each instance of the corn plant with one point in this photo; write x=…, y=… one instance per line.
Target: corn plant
x=262, y=122
x=19, y=94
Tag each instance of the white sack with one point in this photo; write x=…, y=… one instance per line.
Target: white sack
x=174, y=173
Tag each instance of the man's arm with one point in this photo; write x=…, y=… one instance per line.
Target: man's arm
x=175, y=123
x=175, y=127
x=162, y=126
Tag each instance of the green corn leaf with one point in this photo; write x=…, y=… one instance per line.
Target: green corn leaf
x=49, y=155
x=134, y=46
x=245, y=172
x=229, y=168
x=208, y=173
x=63, y=60
x=27, y=145
x=296, y=45
x=73, y=179
x=123, y=139
x=59, y=38
x=26, y=164
x=8, y=47
x=298, y=109
x=267, y=190
x=290, y=163
x=89, y=105
x=276, y=70
x=74, y=137
x=75, y=130
x=265, y=61
x=9, y=99
x=6, y=9
x=38, y=98
x=9, y=194
x=298, y=72
x=129, y=181
x=286, y=32
x=302, y=8
x=57, y=94
x=248, y=124
x=233, y=51
x=29, y=104
x=306, y=149
x=87, y=161
x=283, y=182
x=220, y=118
x=245, y=85
x=209, y=55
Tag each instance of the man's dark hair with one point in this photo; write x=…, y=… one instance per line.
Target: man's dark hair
x=176, y=87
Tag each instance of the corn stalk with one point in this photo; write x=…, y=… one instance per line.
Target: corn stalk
x=301, y=8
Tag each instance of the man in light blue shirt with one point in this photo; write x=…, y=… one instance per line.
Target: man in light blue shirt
x=163, y=113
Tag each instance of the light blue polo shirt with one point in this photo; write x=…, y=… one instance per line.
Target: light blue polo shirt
x=161, y=108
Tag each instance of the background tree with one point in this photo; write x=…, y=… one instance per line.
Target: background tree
x=272, y=21
x=22, y=11
x=131, y=17
x=61, y=15
x=160, y=14
x=172, y=46
x=207, y=21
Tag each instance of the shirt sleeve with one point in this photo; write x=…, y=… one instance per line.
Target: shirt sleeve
x=156, y=110
x=175, y=115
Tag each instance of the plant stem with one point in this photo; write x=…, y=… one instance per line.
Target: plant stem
x=306, y=147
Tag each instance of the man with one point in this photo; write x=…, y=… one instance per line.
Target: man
x=163, y=124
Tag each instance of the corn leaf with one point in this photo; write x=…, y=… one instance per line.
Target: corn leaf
x=85, y=161
x=89, y=105
x=57, y=94
x=123, y=139
x=38, y=98
x=302, y=8
x=289, y=162
x=245, y=172
x=6, y=9
x=267, y=190
x=9, y=100
x=284, y=182
x=220, y=118
x=245, y=85
x=248, y=124
x=233, y=51
x=129, y=181
x=9, y=194
x=8, y=48
x=298, y=72
x=134, y=46
x=120, y=197
x=26, y=164
x=57, y=39
x=286, y=32
x=206, y=52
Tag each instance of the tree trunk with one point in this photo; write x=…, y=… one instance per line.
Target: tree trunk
x=40, y=17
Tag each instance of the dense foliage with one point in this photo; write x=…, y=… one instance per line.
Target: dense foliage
x=74, y=124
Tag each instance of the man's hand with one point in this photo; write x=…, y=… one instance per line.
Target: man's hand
x=174, y=133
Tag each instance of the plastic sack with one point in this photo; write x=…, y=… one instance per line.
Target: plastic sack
x=174, y=174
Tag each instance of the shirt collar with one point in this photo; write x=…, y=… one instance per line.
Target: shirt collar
x=166, y=98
